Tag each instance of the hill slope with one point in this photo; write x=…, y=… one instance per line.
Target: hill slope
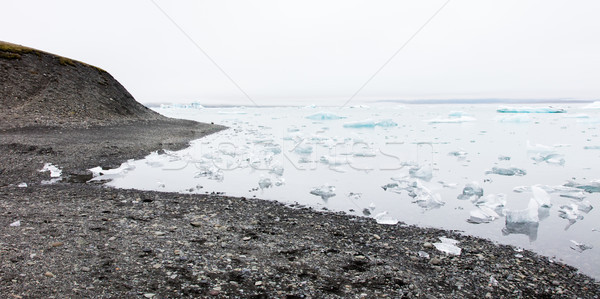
x=43, y=89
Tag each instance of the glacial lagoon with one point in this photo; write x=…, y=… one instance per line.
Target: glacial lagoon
x=527, y=176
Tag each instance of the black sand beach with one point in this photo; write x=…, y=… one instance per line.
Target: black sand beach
x=77, y=239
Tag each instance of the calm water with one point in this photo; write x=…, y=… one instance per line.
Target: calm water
x=424, y=156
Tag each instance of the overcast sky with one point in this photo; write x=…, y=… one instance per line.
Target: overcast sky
x=277, y=50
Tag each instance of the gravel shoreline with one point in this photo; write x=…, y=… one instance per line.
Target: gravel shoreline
x=87, y=240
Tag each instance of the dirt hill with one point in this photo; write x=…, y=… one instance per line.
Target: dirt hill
x=43, y=89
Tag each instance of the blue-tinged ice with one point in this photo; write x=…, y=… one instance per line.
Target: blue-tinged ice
x=592, y=147
x=511, y=171
x=555, y=159
x=593, y=186
x=369, y=123
x=460, y=154
x=324, y=116
x=528, y=215
x=525, y=109
x=303, y=149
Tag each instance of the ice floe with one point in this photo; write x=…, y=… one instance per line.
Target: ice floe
x=323, y=115
x=369, y=123
x=325, y=192
x=580, y=247
x=525, y=109
x=511, y=171
x=471, y=191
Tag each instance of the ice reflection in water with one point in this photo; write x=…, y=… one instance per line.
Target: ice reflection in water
x=529, y=180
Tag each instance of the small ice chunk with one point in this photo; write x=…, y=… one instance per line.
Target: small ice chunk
x=425, y=198
x=384, y=218
x=460, y=155
x=592, y=147
x=448, y=246
x=584, y=206
x=539, y=148
x=541, y=197
x=493, y=282
x=16, y=223
x=277, y=170
x=503, y=158
x=483, y=214
x=303, y=149
x=496, y=202
x=580, y=247
x=22, y=185
x=511, y=171
x=55, y=172
x=525, y=109
x=424, y=172
x=354, y=196
x=325, y=192
x=471, y=191
x=551, y=158
x=423, y=254
x=528, y=215
x=570, y=213
x=323, y=115
x=369, y=123
x=386, y=123
x=279, y=182
x=448, y=185
x=265, y=183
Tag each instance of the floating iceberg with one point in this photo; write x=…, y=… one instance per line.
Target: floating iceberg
x=539, y=148
x=541, y=197
x=524, y=222
x=426, y=199
x=496, y=202
x=324, y=116
x=503, y=158
x=483, y=214
x=460, y=155
x=325, y=192
x=448, y=246
x=303, y=149
x=592, y=147
x=593, y=186
x=512, y=171
x=555, y=159
x=368, y=123
x=524, y=109
x=580, y=247
x=471, y=191
x=265, y=183
x=424, y=172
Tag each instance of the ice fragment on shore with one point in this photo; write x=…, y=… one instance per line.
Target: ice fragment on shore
x=325, y=192
x=264, y=183
x=16, y=223
x=423, y=254
x=100, y=173
x=525, y=109
x=383, y=218
x=448, y=246
x=511, y=171
x=580, y=247
x=55, y=172
x=22, y=185
x=471, y=191
x=324, y=116
x=424, y=172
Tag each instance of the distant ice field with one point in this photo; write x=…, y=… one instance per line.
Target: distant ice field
x=522, y=175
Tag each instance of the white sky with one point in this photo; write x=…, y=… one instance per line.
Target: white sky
x=310, y=50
